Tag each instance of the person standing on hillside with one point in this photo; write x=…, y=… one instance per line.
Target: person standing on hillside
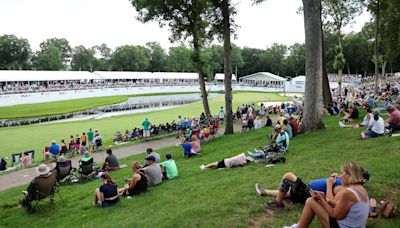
x=221, y=114
x=146, y=131
x=90, y=139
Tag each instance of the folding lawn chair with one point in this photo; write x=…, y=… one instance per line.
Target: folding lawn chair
x=86, y=170
x=65, y=172
x=46, y=187
x=16, y=158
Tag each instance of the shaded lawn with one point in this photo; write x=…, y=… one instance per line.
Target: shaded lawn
x=22, y=138
x=221, y=198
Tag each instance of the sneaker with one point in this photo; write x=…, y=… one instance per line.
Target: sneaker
x=250, y=153
x=129, y=197
x=273, y=204
x=341, y=124
x=202, y=167
x=292, y=226
x=25, y=192
x=260, y=190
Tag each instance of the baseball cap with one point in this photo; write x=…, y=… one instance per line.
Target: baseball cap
x=277, y=126
x=151, y=158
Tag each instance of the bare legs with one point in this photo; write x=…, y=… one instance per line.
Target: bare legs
x=212, y=165
x=98, y=196
x=310, y=209
x=277, y=193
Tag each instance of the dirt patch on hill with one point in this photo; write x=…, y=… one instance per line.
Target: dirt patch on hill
x=267, y=215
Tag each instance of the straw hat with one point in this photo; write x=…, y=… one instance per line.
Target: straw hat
x=42, y=169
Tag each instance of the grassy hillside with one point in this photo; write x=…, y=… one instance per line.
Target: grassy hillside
x=222, y=198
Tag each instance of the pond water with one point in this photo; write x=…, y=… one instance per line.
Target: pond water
x=133, y=105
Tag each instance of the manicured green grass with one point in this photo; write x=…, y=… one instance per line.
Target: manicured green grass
x=61, y=107
x=221, y=198
x=22, y=138
x=57, y=107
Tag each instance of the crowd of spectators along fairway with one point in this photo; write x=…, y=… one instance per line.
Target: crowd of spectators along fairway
x=337, y=201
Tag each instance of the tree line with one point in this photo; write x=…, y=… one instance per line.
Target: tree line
x=57, y=54
x=201, y=22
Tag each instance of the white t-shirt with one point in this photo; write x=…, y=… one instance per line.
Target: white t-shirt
x=367, y=119
x=378, y=126
x=257, y=124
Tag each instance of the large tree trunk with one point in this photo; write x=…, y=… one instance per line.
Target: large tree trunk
x=199, y=67
x=376, y=49
x=312, y=116
x=227, y=67
x=326, y=89
x=340, y=81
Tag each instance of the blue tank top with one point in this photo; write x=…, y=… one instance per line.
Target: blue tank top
x=320, y=184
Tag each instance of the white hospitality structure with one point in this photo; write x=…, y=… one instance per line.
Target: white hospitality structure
x=220, y=77
x=263, y=79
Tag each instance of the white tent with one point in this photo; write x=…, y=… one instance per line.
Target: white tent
x=263, y=79
x=221, y=77
x=34, y=76
x=299, y=80
x=133, y=75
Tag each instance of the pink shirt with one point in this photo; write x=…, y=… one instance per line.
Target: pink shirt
x=395, y=117
x=196, y=146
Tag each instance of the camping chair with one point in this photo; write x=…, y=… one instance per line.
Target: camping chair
x=46, y=187
x=86, y=170
x=16, y=158
x=65, y=172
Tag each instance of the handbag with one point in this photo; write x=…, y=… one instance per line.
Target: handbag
x=388, y=209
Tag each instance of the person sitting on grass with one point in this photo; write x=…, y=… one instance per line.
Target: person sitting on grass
x=107, y=195
x=365, y=122
x=350, y=114
x=280, y=140
x=268, y=123
x=393, y=122
x=294, y=125
x=151, y=152
x=111, y=162
x=187, y=148
x=236, y=161
x=257, y=123
x=294, y=188
x=376, y=127
x=350, y=207
x=287, y=128
x=168, y=167
x=152, y=171
x=3, y=164
x=137, y=184
x=196, y=147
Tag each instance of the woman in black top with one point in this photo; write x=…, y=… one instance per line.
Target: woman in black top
x=107, y=195
x=137, y=184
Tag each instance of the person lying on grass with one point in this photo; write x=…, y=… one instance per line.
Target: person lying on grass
x=365, y=122
x=137, y=184
x=294, y=188
x=376, y=127
x=236, y=161
x=107, y=195
x=350, y=207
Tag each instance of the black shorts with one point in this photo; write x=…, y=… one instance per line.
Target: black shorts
x=333, y=223
x=221, y=164
x=299, y=191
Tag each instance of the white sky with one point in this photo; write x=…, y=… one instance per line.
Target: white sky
x=92, y=22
